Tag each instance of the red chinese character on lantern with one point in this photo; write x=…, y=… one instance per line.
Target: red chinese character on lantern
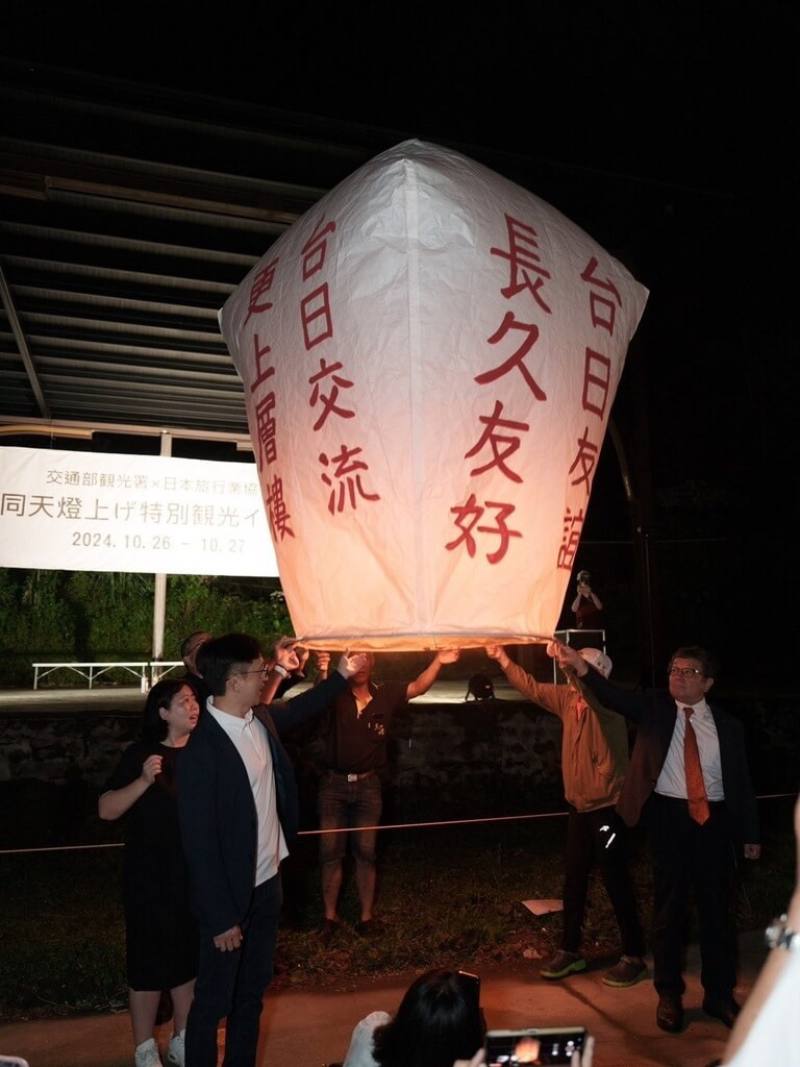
x=315, y=312
x=265, y=429
x=501, y=445
x=570, y=539
x=262, y=372
x=349, y=487
x=517, y=360
x=315, y=248
x=585, y=459
x=596, y=380
x=524, y=261
x=329, y=399
x=467, y=517
x=276, y=509
x=602, y=310
x=262, y=283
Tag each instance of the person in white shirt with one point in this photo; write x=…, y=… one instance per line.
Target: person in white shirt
x=689, y=782
x=237, y=804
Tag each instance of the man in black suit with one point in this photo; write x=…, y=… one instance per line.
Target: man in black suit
x=237, y=804
x=688, y=779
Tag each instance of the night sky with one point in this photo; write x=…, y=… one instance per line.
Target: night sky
x=668, y=132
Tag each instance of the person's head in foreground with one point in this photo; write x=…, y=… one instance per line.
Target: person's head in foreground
x=438, y=1021
x=597, y=659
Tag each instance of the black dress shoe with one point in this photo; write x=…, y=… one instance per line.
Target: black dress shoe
x=669, y=1014
x=723, y=1008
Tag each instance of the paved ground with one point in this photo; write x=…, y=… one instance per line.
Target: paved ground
x=309, y=1029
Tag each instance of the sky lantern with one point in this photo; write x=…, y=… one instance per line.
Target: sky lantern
x=429, y=357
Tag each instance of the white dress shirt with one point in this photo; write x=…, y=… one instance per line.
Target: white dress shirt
x=249, y=737
x=672, y=780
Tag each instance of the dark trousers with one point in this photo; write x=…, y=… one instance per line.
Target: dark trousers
x=597, y=838
x=688, y=857
x=343, y=803
x=232, y=984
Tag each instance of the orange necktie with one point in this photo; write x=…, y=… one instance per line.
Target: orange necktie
x=695, y=786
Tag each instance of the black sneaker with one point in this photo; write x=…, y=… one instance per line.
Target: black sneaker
x=627, y=972
x=562, y=964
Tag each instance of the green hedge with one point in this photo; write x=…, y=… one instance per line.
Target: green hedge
x=81, y=615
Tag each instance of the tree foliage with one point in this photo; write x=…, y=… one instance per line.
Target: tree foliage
x=87, y=616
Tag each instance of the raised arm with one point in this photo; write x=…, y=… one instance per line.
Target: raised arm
x=549, y=697
x=424, y=681
x=286, y=715
x=115, y=802
x=284, y=661
x=631, y=705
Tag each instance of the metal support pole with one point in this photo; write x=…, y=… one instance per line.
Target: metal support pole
x=22, y=344
x=160, y=590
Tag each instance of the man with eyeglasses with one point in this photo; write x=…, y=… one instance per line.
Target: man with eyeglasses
x=689, y=781
x=237, y=805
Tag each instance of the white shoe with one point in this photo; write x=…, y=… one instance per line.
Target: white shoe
x=147, y=1054
x=176, y=1053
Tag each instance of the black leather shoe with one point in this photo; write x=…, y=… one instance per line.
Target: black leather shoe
x=723, y=1008
x=669, y=1014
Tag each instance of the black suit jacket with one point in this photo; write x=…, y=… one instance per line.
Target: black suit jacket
x=217, y=813
x=655, y=713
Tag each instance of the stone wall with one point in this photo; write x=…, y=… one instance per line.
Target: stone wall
x=447, y=761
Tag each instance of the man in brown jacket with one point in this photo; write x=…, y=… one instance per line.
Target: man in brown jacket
x=594, y=759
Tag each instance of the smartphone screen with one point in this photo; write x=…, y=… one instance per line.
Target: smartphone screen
x=507, y=1048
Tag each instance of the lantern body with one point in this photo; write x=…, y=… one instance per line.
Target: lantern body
x=429, y=358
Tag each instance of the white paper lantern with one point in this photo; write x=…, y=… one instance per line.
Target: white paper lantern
x=429, y=357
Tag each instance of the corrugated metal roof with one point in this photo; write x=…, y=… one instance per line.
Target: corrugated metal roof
x=116, y=261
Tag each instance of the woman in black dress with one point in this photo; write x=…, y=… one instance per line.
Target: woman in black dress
x=161, y=940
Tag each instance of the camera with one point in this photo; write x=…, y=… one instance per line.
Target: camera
x=508, y=1048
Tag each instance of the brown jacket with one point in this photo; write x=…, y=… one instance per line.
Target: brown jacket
x=594, y=745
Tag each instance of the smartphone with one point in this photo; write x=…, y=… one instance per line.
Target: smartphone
x=507, y=1048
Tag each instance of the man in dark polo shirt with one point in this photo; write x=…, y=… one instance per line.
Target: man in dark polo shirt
x=350, y=789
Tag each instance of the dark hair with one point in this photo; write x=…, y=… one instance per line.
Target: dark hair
x=154, y=729
x=437, y=1023
x=702, y=655
x=187, y=642
x=218, y=656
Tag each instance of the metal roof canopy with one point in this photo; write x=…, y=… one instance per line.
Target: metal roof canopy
x=113, y=263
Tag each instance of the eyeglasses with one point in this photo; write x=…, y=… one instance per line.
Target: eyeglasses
x=261, y=670
x=686, y=672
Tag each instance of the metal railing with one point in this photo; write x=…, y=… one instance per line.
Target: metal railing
x=148, y=672
x=567, y=637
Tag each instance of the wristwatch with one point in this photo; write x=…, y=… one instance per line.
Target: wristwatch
x=778, y=935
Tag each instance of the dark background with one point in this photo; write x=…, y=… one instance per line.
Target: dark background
x=667, y=131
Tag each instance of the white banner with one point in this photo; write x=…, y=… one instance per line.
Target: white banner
x=98, y=511
x=430, y=356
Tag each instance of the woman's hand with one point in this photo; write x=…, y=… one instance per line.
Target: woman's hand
x=150, y=768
